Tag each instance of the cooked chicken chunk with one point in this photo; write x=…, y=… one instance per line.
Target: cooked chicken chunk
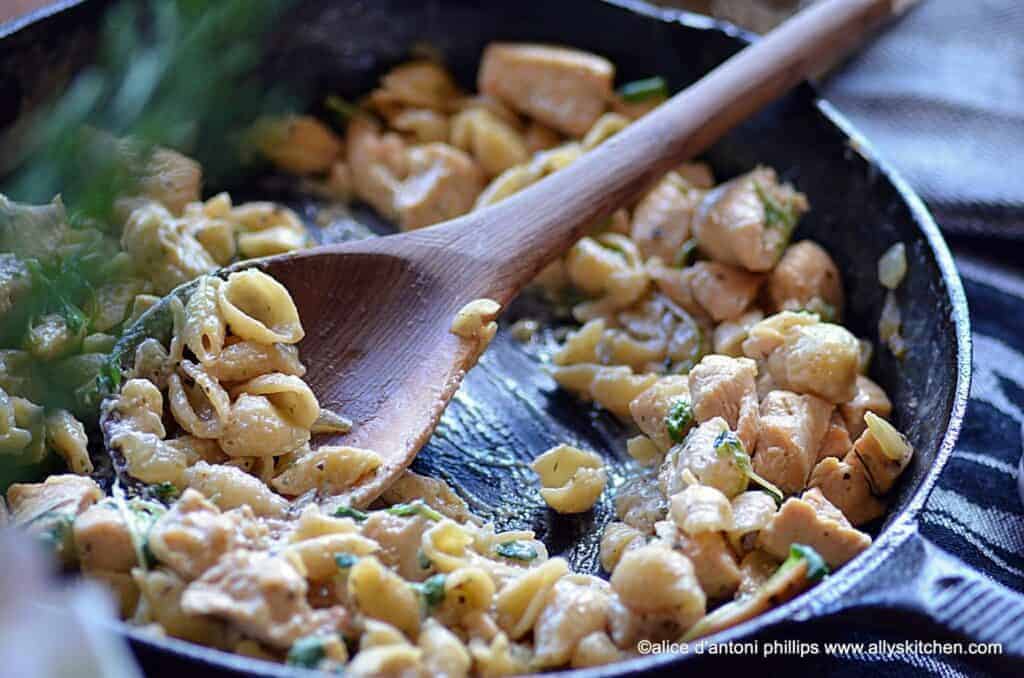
x=791, y=431
x=442, y=183
x=70, y=494
x=379, y=163
x=884, y=451
x=661, y=220
x=846, y=485
x=103, y=541
x=806, y=278
x=748, y=221
x=869, y=397
x=263, y=595
x=399, y=538
x=416, y=84
x=192, y=535
x=563, y=88
x=813, y=521
x=723, y=291
x=698, y=455
x=726, y=387
x=836, y=442
x=650, y=409
x=751, y=511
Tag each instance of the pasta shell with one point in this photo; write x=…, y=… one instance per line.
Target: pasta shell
x=258, y=308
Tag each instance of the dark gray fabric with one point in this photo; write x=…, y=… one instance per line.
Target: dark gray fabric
x=941, y=94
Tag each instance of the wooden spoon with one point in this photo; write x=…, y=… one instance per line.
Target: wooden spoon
x=378, y=313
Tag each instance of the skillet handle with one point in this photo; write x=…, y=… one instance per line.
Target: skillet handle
x=921, y=587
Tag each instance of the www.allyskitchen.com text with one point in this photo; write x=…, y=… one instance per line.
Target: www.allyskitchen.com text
x=799, y=648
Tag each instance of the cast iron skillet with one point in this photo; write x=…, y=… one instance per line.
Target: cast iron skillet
x=508, y=409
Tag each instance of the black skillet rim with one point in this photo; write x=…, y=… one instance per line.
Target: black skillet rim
x=802, y=607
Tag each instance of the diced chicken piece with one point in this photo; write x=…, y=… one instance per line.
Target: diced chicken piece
x=836, y=442
x=806, y=278
x=699, y=508
x=103, y=541
x=661, y=220
x=751, y=511
x=698, y=455
x=416, y=84
x=792, y=429
x=192, y=536
x=674, y=283
x=869, y=397
x=378, y=162
x=728, y=336
x=61, y=494
x=807, y=356
x=651, y=408
x=713, y=562
x=299, y=144
x=48, y=509
x=577, y=606
x=723, y=291
x=565, y=89
x=846, y=485
x=442, y=183
x=726, y=387
x=748, y=221
x=399, y=538
x=264, y=596
x=813, y=521
x=756, y=568
x=885, y=453
x=172, y=179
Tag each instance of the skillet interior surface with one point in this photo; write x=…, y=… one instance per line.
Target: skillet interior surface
x=508, y=410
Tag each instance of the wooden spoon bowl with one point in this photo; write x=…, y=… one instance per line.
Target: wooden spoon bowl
x=378, y=313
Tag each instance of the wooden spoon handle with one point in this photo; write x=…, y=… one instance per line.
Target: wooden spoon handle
x=517, y=237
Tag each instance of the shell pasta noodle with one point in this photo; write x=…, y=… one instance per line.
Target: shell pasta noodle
x=758, y=447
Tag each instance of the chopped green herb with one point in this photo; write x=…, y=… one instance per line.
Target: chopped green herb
x=349, y=512
x=816, y=565
x=415, y=508
x=307, y=652
x=165, y=492
x=685, y=253
x=517, y=550
x=776, y=215
x=680, y=416
x=432, y=590
x=642, y=90
x=345, y=560
x=727, y=443
x=424, y=562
